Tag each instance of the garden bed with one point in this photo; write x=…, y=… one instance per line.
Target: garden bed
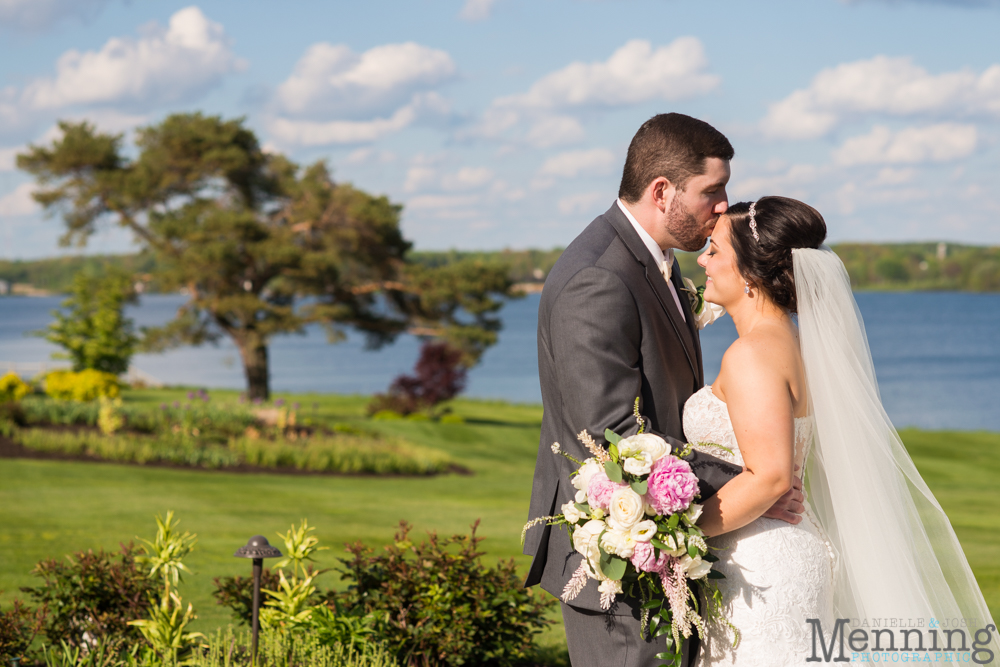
x=210, y=437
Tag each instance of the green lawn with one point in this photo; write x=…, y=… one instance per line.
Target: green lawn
x=48, y=509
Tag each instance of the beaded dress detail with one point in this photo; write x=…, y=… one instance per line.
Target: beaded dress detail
x=777, y=574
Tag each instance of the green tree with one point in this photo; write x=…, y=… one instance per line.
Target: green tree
x=94, y=330
x=261, y=246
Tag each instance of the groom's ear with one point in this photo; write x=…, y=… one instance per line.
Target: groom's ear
x=661, y=193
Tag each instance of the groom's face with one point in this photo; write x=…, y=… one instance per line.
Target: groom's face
x=692, y=214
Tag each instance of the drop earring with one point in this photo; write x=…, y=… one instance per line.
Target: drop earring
x=746, y=287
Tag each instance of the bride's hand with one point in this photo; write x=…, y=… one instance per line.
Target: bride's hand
x=789, y=506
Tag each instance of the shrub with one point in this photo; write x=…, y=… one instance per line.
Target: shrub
x=13, y=388
x=278, y=649
x=439, y=376
x=236, y=593
x=86, y=385
x=92, y=596
x=440, y=605
x=18, y=627
x=94, y=332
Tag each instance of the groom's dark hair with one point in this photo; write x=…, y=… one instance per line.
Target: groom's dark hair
x=671, y=145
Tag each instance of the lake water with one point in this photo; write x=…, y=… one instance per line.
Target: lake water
x=936, y=354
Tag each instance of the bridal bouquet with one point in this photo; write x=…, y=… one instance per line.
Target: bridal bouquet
x=633, y=520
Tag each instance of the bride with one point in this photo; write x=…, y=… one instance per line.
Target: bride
x=873, y=547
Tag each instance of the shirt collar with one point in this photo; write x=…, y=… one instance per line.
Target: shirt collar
x=659, y=255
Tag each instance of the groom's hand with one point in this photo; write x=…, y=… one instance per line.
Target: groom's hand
x=789, y=506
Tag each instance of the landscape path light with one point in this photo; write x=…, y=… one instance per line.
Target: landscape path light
x=258, y=548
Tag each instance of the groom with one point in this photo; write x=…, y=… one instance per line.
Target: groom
x=613, y=325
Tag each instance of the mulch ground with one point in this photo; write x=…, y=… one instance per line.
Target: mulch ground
x=14, y=450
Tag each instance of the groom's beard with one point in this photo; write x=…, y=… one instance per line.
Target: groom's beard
x=681, y=224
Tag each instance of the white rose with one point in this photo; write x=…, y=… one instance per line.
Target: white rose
x=710, y=312
x=654, y=445
x=644, y=531
x=693, y=512
x=585, y=542
x=674, y=548
x=618, y=542
x=626, y=507
x=572, y=513
x=587, y=471
x=638, y=464
x=696, y=568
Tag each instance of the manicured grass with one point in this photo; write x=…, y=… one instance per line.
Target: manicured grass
x=48, y=509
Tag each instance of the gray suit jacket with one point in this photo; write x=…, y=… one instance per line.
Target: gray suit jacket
x=608, y=331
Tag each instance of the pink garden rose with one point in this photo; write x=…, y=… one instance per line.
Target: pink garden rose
x=599, y=491
x=644, y=558
x=671, y=485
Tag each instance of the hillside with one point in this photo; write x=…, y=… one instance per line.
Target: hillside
x=872, y=266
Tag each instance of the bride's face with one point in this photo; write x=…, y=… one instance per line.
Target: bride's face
x=724, y=283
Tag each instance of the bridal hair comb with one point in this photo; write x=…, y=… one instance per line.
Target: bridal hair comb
x=753, y=223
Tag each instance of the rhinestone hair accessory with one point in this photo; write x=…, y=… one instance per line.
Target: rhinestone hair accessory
x=753, y=223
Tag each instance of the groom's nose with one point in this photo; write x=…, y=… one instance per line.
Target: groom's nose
x=721, y=207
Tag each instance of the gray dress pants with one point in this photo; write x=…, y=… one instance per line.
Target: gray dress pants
x=600, y=639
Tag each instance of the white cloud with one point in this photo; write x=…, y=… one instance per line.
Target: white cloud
x=420, y=177
x=589, y=202
x=912, y=145
x=318, y=133
x=467, y=178
x=477, y=10
x=881, y=85
x=8, y=158
x=573, y=163
x=175, y=64
x=634, y=73
x=333, y=80
x=19, y=202
x=369, y=155
x=38, y=14
x=550, y=131
x=792, y=181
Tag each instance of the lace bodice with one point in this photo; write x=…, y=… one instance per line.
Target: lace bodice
x=777, y=575
x=706, y=420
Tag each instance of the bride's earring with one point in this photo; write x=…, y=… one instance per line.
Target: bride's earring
x=746, y=288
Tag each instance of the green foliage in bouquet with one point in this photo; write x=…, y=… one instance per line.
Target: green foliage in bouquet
x=437, y=604
x=92, y=596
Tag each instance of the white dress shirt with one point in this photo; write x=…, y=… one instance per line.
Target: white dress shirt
x=664, y=260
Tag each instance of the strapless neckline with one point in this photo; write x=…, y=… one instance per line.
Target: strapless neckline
x=708, y=390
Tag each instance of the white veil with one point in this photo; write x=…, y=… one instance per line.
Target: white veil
x=898, y=556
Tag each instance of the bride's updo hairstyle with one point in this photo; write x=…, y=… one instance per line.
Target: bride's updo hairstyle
x=765, y=259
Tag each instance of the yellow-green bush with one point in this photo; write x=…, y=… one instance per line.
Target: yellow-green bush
x=86, y=385
x=12, y=388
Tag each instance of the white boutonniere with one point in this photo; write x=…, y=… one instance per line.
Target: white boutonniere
x=704, y=312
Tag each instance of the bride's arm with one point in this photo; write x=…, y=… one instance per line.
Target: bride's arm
x=760, y=407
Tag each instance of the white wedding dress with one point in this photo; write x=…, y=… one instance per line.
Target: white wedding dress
x=873, y=543
x=777, y=574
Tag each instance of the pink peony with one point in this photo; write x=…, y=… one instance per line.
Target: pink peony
x=672, y=486
x=599, y=491
x=644, y=558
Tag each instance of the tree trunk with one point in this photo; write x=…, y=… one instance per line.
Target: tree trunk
x=255, y=367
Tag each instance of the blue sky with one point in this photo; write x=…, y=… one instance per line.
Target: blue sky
x=504, y=123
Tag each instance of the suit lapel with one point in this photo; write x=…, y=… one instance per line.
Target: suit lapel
x=692, y=326
x=658, y=286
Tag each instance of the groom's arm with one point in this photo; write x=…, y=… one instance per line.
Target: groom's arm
x=594, y=337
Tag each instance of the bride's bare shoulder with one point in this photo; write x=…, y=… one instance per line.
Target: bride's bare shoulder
x=767, y=355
